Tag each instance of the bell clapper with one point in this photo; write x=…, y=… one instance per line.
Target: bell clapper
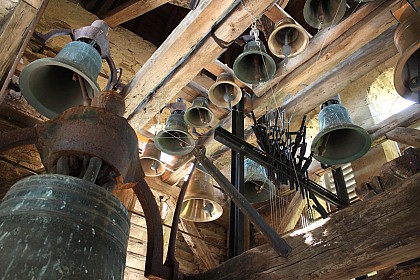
x=208, y=207
x=86, y=100
x=287, y=49
x=228, y=96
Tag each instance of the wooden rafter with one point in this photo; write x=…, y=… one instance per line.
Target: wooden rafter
x=373, y=235
x=154, y=75
x=130, y=10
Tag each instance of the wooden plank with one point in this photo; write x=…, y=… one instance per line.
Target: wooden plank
x=406, y=117
x=204, y=52
x=16, y=25
x=345, y=246
x=130, y=10
x=409, y=136
x=192, y=29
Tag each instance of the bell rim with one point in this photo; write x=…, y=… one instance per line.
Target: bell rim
x=233, y=102
x=270, y=74
x=160, y=164
x=26, y=74
x=218, y=210
x=186, y=150
x=198, y=126
x=356, y=156
x=284, y=25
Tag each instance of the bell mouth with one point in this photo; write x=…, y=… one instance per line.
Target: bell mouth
x=337, y=145
x=258, y=191
x=174, y=142
x=198, y=117
x=152, y=167
x=200, y=210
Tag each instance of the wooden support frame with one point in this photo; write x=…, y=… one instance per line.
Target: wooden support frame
x=369, y=236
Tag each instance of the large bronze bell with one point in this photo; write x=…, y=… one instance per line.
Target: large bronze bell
x=407, y=73
x=61, y=227
x=323, y=13
x=257, y=187
x=200, y=203
x=175, y=139
x=254, y=65
x=225, y=93
x=288, y=39
x=339, y=141
x=199, y=114
x=50, y=84
x=150, y=161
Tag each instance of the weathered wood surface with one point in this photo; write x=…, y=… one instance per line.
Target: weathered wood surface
x=130, y=10
x=407, y=117
x=346, y=246
x=204, y=52
x=15, y=23
x=405, y=135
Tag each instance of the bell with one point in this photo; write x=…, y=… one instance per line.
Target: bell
x=323, y=13
x=50, y=84
x=288, y=39
x=339, y=141
x=254, y=65
x=407, y=73
x=175, y=139
x=224, y=92
x=61, y=227
x=257, y=187
x=150, y=161
x=200, y=203
x=199, y=114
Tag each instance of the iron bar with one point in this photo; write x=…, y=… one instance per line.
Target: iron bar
x=276, y=242
x=19, y=165
x=233, y=142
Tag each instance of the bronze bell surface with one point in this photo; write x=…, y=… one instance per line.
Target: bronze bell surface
x=321, y=14
x=61, y=227
x=225, y=93
x=257, y=187
x=175, y=138
x=200, y=203
x=407, y=73
x=254, y=65
x=150, y=161
x=287, y=39
x=199, y=114
x=339, y=141
x=50, y=84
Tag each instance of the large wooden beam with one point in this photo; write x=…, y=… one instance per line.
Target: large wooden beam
x=130, y=10
x=405, y=135
x=201, y=50
x=362, y=238
x=327, y=49
x=16, y=27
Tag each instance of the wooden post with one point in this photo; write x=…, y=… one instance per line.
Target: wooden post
x=365, y=237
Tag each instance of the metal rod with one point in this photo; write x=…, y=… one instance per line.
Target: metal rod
x=276, y=242
x=19, y=165
x=340, y=184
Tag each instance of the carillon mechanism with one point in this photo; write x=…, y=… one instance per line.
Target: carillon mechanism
x=175, y=138
x=288, y=39
x=339, y=141
x=407, y=41
x=67, y=224
x=225, y=93
x=199, y=114
x=254, y=65
x=200, y=203
x=52, y=85
x=321, y=14
x=150, y=161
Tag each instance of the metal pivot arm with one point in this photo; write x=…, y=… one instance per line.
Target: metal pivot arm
x=276, y=242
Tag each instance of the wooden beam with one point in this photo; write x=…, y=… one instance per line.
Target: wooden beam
x=325, y=50
x=406, y=117
x=18, y=24
x=130, y=10
x=362, y=238
x=408, y=136
x=202, y=50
